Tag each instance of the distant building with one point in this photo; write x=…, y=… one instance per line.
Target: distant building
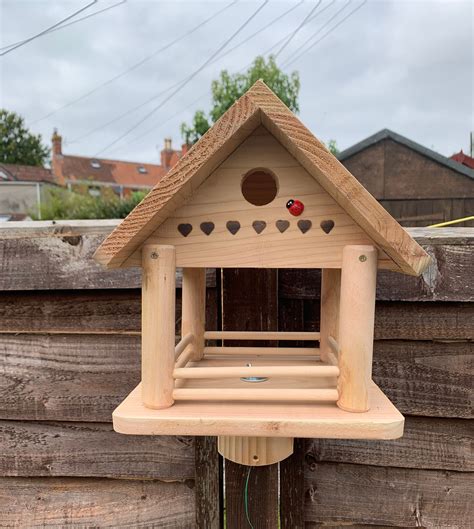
x=466, y=160
x=22, y=189
x=416, y=185
x=122, y=177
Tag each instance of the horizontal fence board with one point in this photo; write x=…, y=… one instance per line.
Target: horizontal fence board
x=345, y=494
x=89, y=502
x=76, y=449
x=84, y=377
x=119, y=311
x=427, y=443
x=446, y=279
x=63, y=262
x=426, y=378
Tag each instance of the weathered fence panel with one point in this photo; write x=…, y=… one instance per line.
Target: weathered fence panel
x=69, y=353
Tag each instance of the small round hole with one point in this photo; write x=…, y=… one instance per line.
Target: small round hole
x=259, y=187
x=255, y=458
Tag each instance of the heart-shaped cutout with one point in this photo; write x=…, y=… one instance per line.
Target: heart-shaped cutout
x=304, y=225
x=282, y=225
x=207, y=227
x=185, y=229
x=233, y=226
x=259, y=225
x=327, y=225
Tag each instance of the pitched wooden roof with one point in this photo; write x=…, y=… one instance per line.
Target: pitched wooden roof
x=261, y=106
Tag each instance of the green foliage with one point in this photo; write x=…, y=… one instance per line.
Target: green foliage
x=332, y=147
x=18, y=144
x=229, y=87
x=60, y=204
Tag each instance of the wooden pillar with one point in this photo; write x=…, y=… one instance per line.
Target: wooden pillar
x=158, y=324
x=356, y=326
x=193, y=319
x=330, y=295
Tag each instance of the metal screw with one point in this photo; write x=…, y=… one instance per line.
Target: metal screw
x=154, y=255
x=362, y=258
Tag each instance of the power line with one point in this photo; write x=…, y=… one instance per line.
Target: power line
x=136, y=65
x=26, y=41
x=203, y=95
x=187, y=80
x=293, y=34
x=144, y=103
x=70, y=23
x=317, y=32
x=327, y=33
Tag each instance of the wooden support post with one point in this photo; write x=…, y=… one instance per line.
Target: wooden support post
x=193, y=319
x=356, y=326
x=330, y=295
x=158, y=324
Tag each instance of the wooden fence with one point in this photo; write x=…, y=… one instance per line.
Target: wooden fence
x=69, y=349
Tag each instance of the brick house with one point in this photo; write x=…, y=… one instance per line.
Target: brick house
x=96, y=173
x=416, y=185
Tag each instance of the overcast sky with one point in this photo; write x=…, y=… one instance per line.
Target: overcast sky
x=402, y=65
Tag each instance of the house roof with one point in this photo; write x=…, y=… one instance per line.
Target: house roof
x=464, y=159
x=26, y=173
x=260, y=106
x=128, y=174
x=424, y=151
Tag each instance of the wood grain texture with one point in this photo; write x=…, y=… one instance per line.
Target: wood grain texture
x=338, y=182
x=340, y=494
x=177, y=185
x=85, y=502
x=427, y=443
x=260, y=104
x=292, y=491
x=426, y=378
x=77, y=449
x=446, y=279
x=208, y=483
x=219, y=199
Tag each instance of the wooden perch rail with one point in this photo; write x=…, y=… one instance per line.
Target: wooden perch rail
x=261, y=335
x=256, y=371
x=182, y=344
x=262, y=395
x=255, y=351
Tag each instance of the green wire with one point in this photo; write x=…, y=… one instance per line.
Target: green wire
x=246, y=498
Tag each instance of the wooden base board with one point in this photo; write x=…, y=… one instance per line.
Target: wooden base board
x=258, y=419
x=255, y=451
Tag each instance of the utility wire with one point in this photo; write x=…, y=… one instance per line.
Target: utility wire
x=187, y=80
x=293, y=34
x=136, y=65
x=326, y=34
x=26, y=41
x=144, y=103
x=205, y=94
x=317, y=32
x=69, y=23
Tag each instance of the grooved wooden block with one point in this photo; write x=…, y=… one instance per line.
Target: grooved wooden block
x=255, y=451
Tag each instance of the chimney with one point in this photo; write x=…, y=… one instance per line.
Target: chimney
x=57, y=158
x=185, y=148
x=166, y=154
x=57, y=143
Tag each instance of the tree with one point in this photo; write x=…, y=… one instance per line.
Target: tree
x=18, y=144
x=332, y=147
x=229, y=87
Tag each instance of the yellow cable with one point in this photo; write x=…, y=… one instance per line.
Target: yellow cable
x=449, y=222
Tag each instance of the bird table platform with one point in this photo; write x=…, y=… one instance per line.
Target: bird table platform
x=259, y=191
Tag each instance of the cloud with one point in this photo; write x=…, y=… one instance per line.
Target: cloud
x=407, y=66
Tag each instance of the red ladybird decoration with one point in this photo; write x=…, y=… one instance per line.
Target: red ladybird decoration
x=295, y=207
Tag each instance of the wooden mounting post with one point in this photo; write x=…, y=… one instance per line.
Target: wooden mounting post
x=158, y=324
x=193, y=319
x=330, y=295
x=255, y=451
x=356, y=326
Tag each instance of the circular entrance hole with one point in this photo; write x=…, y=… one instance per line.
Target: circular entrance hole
x=259, y=187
